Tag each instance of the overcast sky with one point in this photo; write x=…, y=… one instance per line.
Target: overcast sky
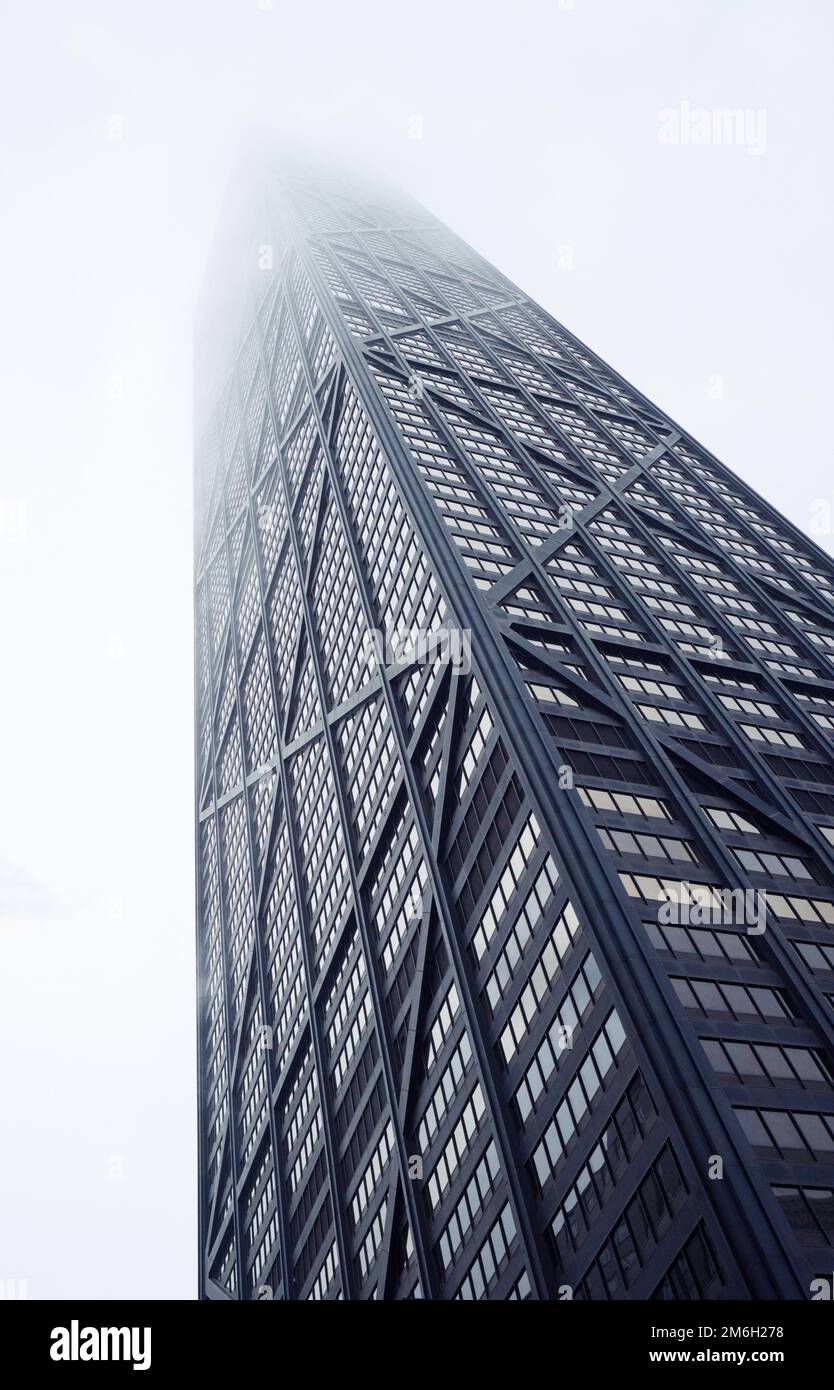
x=543, y=132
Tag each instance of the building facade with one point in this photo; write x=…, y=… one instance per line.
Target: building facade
x=514, y=801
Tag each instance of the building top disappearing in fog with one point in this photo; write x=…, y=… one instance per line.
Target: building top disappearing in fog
x=514, y=798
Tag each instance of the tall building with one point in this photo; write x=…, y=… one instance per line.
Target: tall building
x=514, y=798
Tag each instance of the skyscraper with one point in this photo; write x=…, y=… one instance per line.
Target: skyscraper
x=514, y=798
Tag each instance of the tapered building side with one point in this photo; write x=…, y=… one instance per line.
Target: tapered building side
x=515, y=802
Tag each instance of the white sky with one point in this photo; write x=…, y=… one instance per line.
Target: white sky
x=539, y=132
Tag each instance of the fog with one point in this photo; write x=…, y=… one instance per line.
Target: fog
x=559, y=140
